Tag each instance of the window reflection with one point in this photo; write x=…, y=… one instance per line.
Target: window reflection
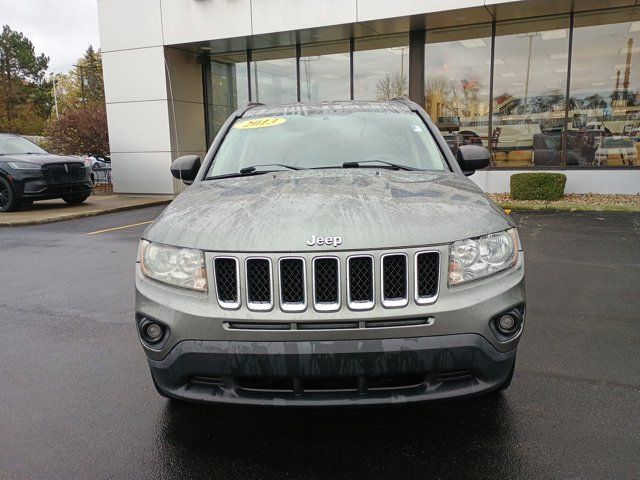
x=325, y=72
x=273, y=76
x=381, y=68
x=228, y=89
x=530, y=71
x=604, y=115
x=457, y=70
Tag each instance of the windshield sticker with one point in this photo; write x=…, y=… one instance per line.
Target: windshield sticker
x=260, y=122
x=416, y=128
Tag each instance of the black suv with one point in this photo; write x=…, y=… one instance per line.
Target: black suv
x=29, y=173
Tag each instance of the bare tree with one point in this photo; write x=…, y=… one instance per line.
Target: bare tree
x=392, y=86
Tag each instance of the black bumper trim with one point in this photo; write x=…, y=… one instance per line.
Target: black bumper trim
x=231, y=361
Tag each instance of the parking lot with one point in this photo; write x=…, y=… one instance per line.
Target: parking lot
x=76, y=398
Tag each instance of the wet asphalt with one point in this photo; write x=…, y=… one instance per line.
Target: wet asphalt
x=76, y=399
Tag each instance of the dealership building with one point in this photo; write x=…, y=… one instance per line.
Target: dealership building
x=546, y=85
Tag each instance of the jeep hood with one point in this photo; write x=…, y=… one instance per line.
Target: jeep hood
x=367, y=208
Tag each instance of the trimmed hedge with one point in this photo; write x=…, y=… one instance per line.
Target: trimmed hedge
x=537, y=186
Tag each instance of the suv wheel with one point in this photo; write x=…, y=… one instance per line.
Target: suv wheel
x=75, y=199
x=8, y=200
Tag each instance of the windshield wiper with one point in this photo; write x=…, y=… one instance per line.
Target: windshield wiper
x=255, y=167
x=387, y=164
x=253, y=170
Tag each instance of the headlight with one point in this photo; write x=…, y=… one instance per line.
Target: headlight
x=181, y=267
x=25, y=166
x=476, y=258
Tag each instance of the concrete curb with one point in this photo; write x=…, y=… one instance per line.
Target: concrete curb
x=90, y=213
x=568, y=207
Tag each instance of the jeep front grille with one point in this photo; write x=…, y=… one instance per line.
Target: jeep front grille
x=227, y=284
x=259, y=286
x=360, y=282
x=321, y=282
x=426, y=273
x=394, y=280
x=293, y=286
x=326, y=283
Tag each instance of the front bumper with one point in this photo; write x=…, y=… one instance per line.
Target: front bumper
x=332, y=373
x=451, y=351
x=32, y=185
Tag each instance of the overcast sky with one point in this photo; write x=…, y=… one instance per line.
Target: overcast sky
x=62, y=30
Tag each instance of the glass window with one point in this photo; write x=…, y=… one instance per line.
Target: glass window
x=273, y=75
x=328, y=136
x=15, y=145
x=228, y=88
x=530, y=71
x=605, y=90
x=457, y=73
x=381, y=68
x=325, y=72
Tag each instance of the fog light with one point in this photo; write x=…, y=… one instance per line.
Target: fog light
x=507, y=322
x=154, y=332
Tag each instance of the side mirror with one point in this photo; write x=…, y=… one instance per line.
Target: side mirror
x=472, y=158
x=186, y=168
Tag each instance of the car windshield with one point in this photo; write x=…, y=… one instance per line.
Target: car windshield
x=328, y=136
x=14, y=145
x=617, y=143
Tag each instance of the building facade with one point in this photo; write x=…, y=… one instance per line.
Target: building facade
x=546, y=85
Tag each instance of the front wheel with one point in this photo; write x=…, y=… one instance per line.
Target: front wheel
x=8, y=200
x=75, y=199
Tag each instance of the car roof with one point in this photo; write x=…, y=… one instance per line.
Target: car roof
x=327, y=108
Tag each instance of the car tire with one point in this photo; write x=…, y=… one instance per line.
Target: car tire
x=8, y=199
x=75, y=199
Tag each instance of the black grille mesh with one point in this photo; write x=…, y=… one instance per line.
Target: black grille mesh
x=428, y=267
x=226, y=280
x=292, y=280
x=258, y=280
x=394, y=271
x=361, y=279
x=326, y=280
x=64, y=172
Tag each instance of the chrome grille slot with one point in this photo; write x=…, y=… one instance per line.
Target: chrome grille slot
x=227, y=284
x=293, y=288
x=427, y=273
x=259, y=286
x=360, y=290
x=394, y=280
x=326, y=283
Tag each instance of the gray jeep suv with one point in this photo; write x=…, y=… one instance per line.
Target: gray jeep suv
x=330, y=254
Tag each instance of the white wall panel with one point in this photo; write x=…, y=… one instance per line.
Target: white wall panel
x=376, y=9
x=282, y=15
x=128, y=24
x=134, y=75
x=198, y=20
x=139, y=127
x=142, y=172
x=578, y=181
